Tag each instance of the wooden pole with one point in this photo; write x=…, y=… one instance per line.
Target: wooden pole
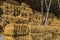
x=48, y=8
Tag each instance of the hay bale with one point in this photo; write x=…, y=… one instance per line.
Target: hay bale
x=22, y=29
x=8, y=8
x=9, y=38
x=9, y=29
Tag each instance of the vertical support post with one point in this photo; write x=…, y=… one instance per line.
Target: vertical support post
x=48, y=8
x=42, y=9
x=59, y=5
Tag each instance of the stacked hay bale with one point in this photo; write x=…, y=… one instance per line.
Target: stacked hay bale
x=8, y=8
x=51, y=33
x=8, y=18
x=49, y=19
x=52, y=20
x=55, y=22
x=22, y=31
x=26, y=12
x=51, y=30
x=25, y=17
x=20, y=22
x=24, y=24
x=9, y=32
x=16, y=32
x=34, y=20
x=37, y=32
x=37, y=17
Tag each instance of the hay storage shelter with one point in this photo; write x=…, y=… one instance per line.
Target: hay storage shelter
x=34, y=37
